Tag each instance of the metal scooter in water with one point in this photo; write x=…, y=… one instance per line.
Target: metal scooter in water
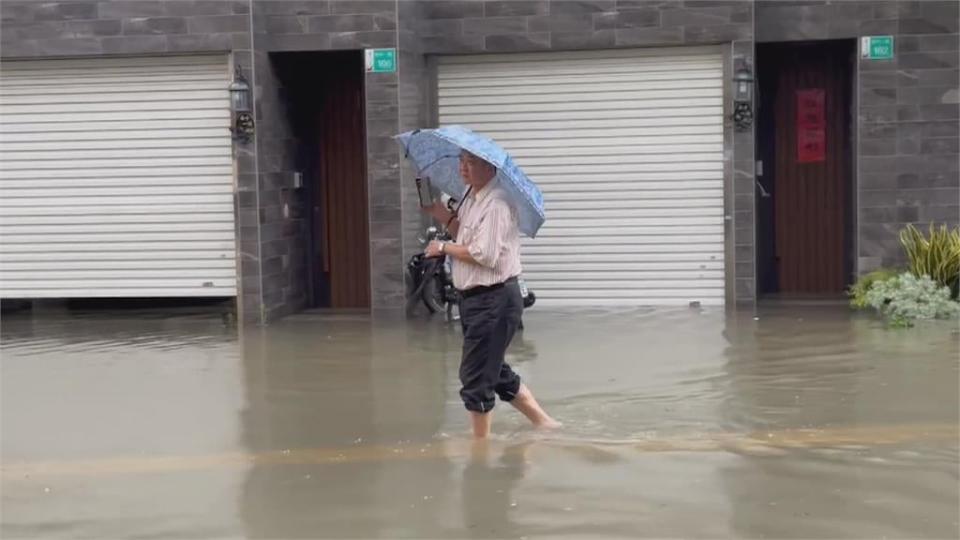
x=431, y=279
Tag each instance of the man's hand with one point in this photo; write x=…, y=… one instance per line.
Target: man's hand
x=437, y=211
x=450, y=249
x=433, y=249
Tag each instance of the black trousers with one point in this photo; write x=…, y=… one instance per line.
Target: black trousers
x=490, y=319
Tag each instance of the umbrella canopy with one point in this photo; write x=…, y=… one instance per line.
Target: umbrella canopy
x=435, y=153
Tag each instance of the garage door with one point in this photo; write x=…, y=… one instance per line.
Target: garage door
x=116, y=178
x=627, y=147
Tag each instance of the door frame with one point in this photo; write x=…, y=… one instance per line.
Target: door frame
x=851, y=220
x=305, y=76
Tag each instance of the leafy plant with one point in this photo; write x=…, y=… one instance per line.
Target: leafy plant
x=858, y=291
x=937, y=256
x=906, y=298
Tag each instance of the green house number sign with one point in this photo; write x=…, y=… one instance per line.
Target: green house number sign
x=381, y=60
x=876, y=47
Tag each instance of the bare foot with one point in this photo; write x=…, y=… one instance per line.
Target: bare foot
x=548, y=424
x=527, y=404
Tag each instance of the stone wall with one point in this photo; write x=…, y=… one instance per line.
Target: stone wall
x=414, y=89
x=287, y=26
x=907, y=152
x=344, y=25
x=89, y=28
x=281, y=218
x=453, y=26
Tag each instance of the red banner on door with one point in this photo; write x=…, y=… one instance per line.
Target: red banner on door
x=811, y=126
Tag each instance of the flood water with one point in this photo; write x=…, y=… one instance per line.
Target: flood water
x=803, y=423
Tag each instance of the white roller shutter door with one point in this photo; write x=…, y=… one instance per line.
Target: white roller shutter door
x=116, y=178
x=627, y=146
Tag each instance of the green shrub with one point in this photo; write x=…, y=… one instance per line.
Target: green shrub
x=906, y=298
x=858, y=291
x=937, y=256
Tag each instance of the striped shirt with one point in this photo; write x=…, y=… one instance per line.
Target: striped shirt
x=488, y=228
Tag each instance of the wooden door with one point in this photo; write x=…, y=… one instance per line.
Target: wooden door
x=813, y=174
x=342, y=224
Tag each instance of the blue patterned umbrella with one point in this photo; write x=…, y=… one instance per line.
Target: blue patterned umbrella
x=435, y=153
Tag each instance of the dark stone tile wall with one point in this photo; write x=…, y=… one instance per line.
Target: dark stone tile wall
x=384, y=170
x=34, y=29
x=281, y=26
x=741, y=185
x=386, y=214
x=281, y=209
x=907, y=155
x=473, y=26
x=282, y=214
x=465, y=26
x=414, y=89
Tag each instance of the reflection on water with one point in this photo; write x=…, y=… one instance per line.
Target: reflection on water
x=695, y=423
x=487, y=488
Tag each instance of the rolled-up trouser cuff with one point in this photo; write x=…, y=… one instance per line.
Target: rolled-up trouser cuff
x=478, y=406
x=508, y=391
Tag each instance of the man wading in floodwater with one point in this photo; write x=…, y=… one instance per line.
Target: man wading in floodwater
x=486, y=263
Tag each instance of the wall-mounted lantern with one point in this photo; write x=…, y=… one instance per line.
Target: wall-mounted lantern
x=743, y=97
x=241, y=103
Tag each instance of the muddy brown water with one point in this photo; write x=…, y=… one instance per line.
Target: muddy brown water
x=806, y=423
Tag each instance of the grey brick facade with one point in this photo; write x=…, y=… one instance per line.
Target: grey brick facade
x=318, y=26
x=908, y=108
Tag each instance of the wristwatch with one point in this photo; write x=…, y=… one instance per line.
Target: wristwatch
x=443, y=245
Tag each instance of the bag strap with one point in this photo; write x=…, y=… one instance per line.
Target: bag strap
x=456, y=211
